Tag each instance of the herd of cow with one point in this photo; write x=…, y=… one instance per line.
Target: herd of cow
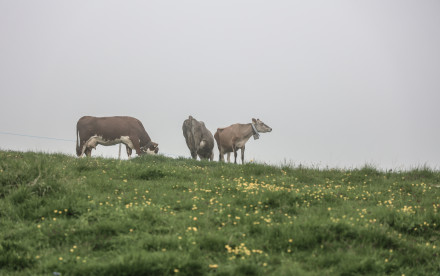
x=93, y=131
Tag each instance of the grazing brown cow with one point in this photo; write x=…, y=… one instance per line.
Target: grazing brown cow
x=198, y=139
x=107, y=131
x=234, y=137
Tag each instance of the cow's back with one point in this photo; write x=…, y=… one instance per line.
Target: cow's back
x=85, y=121
x=225, y=134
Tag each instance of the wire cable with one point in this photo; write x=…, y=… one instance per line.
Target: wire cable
x=34, y=136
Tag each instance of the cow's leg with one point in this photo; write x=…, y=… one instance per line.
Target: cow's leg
x=136, y=145
x=83, y=148
x=235, y=154
x=234, y=149
x=211, y=158
x=129, y=151
x=88, y=152
x=229, y=157
x=202, y=157
x=242, y=155
x=221, y=155
x=80, y=148
x=194, y=154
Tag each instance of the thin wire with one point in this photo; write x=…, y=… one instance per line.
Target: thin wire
x=33, y=136
x=65, y=140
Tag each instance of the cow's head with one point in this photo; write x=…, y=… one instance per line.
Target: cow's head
x=260, y=126
x=150, y=148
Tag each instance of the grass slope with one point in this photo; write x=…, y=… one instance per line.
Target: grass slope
x=153, y=215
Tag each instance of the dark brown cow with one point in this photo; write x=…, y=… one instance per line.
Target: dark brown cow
x=234, y=137
x=107, y=131
x=198, y=139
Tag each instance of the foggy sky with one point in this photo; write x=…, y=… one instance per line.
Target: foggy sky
x=342, y=83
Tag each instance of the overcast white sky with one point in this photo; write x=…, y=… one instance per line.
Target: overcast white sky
x=342, y=83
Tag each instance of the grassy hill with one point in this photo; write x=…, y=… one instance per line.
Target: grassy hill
x=153, y=215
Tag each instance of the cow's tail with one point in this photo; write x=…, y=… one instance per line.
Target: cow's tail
x=217, y=134
x=78, y=148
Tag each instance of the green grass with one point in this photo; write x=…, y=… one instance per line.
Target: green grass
x=158, y=216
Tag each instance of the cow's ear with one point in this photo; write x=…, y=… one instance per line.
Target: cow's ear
x=254, y=121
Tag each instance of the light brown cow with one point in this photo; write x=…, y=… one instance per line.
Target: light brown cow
x=106, y=131
x=234, y=137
